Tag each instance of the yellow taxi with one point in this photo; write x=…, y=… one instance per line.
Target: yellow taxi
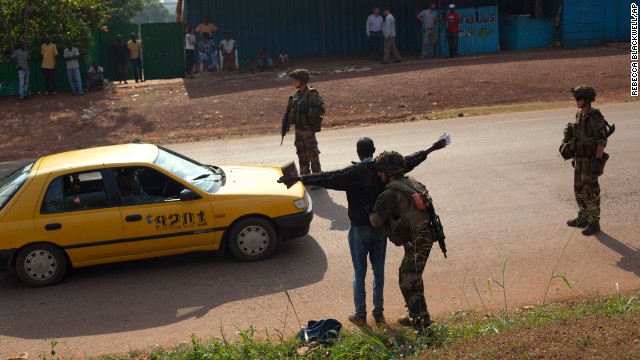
x=136, y=201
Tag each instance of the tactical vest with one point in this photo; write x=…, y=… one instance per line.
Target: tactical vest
x=407, y=226
x=302, y=120
x=585, y=139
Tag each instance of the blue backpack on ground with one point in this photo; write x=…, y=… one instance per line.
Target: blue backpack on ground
x=324, y=330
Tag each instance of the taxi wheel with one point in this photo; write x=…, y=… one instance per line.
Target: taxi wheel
x=41, y=265
x=252, y=239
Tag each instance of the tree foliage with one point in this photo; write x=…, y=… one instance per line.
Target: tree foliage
x=62, y=20
x=154, y=12
x=123, y=11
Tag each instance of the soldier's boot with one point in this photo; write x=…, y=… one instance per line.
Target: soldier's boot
x=418, y=322
x=315, y=168
x=592, y=228
x=578, y=222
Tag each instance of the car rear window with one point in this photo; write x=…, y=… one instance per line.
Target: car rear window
x=75, y=191
x=10, y=184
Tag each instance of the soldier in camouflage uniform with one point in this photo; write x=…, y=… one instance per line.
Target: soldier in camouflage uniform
x=590, y=133
x=306, y=112
x=403, y=210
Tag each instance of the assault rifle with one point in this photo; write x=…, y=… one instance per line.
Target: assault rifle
x=285, y=120
x=438, y=231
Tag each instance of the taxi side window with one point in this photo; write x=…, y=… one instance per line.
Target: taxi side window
x=75, y=191
x=142, y=185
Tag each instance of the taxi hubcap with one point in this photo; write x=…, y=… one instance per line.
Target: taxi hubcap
x=253, y=240
x=40, y=265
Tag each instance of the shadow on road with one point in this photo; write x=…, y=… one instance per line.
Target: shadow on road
x=630, y=260
x=326, y=208
x=151, y=293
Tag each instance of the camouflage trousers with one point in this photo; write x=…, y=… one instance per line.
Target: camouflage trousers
x=412, y=266
x=587, y=190
x=307, y=150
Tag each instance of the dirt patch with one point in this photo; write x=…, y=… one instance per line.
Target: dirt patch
x=219, y=105
x=591, y=337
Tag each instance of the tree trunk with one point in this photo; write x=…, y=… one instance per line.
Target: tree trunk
x=27, y=12
x=7, y=31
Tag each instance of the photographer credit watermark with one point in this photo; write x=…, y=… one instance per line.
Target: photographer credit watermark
x=634, y=49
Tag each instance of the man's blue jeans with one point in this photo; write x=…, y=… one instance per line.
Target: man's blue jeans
x=23, y=83
x=75, y=82
x=363, y=241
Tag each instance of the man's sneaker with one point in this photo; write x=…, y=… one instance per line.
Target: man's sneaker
x=577, y=222
x=591, y=229
x=358, y=320
x=379, y=319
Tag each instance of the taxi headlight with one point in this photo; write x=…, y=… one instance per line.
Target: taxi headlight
x=301, y=203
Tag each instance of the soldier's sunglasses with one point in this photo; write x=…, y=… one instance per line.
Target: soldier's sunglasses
x=578, y=98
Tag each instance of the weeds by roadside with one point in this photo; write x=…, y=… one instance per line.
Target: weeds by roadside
x=395, y=342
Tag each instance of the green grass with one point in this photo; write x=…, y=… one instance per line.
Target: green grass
x=395, y=342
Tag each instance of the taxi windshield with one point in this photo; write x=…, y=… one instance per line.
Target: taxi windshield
x=10, y=184
x=207, y=178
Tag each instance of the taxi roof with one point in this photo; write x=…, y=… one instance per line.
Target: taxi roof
x=104, y=155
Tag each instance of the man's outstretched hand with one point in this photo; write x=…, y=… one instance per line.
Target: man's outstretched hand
x=440, y=144
x=289, y=180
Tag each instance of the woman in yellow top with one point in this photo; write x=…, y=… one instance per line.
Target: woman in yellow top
x=49, y=52
x=134, y=47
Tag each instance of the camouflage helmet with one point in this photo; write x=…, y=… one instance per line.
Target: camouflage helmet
x=584, y=91
x=390, y=162
x=300, y=74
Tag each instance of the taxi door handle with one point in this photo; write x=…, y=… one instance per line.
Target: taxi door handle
x=55, y=226
x=132, y=218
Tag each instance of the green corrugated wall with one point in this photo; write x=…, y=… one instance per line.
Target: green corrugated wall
x=162, y=54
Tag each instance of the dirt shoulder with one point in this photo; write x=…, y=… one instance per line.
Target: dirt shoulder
x=356, y=92
x=589, y=337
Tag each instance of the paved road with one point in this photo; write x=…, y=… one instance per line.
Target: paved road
x=503, y=195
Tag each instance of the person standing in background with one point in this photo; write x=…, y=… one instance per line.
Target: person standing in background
x=189, y=52
x=453, y=21
x=374, y=34
x=21, y=57
x=135, y=53
x=389, y=32
x=119, y=52
x=71, y=55
x=429, y=22
x=49, y=51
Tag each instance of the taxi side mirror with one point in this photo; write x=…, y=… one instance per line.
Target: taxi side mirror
x=186, y=195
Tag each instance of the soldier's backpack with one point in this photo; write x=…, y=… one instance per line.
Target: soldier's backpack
x=416, y=219
x=315, y=122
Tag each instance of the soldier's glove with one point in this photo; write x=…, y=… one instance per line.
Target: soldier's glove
x=289, y=180
x=302, y=107
x=596, y=166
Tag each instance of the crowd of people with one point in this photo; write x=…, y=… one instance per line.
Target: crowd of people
x=203, y=54
x=380, y=29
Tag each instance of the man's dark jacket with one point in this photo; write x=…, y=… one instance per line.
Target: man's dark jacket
x=362, y=184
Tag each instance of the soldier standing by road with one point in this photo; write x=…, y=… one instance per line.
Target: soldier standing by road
x=306, y=108
x=590, y=132
x=402, y=207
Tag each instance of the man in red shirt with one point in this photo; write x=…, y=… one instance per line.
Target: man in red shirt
x=453, y=19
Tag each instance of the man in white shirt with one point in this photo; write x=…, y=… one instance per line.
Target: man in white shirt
x=429, y=21
x=374, y=34
x=71, y=55
x=389, y=32
x=228, y=49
